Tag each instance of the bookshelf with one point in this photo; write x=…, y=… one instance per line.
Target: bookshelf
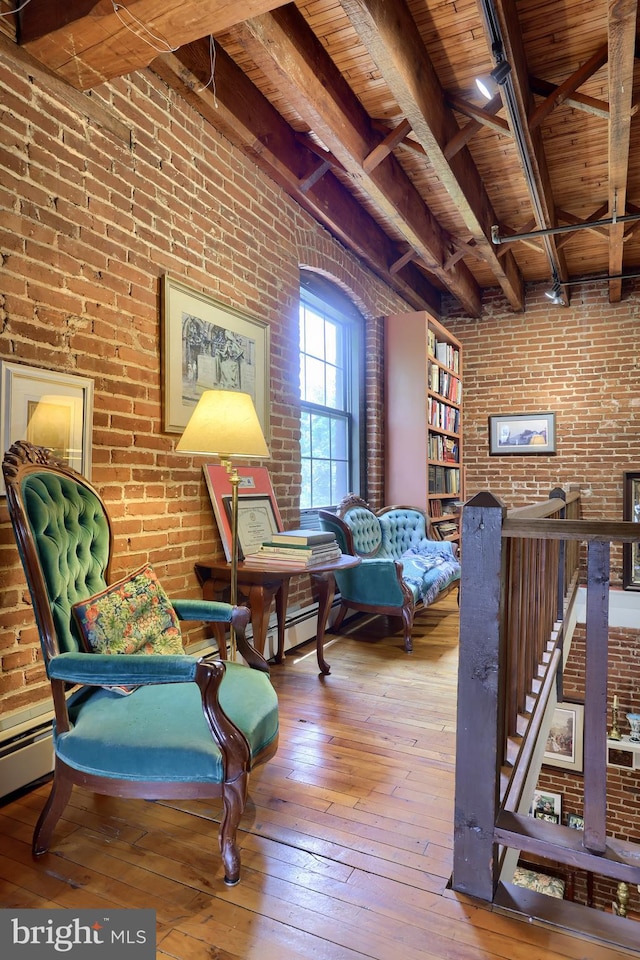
x=423, y=386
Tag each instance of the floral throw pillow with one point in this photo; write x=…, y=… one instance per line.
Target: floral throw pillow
x=133, y=615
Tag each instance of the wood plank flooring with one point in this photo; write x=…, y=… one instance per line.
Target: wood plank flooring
x=346, y=841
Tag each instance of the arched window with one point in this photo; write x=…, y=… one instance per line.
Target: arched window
x=331, y=386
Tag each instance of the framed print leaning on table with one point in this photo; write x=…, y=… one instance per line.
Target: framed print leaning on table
x=207, y=345
x=50, y=409
x=258, y=513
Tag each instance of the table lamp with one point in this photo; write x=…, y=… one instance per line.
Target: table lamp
x=225, y=424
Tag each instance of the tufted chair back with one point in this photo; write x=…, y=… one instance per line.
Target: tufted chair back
x=402, y=528
x=388, y=533
x=67, y=557
x=365, y=530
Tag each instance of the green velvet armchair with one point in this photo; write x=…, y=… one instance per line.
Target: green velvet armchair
x=152, y=723
x=401, y=567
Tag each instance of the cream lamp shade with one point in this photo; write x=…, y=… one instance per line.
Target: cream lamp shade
x=225, y=424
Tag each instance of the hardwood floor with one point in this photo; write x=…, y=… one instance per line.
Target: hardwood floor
x=346, y=841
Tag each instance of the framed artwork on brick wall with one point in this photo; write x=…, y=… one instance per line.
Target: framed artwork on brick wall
x=51, y=409
x=631, y=511
x=522, y=433
x=207, y=345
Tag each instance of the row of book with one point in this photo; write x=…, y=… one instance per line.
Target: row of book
x=443, y=479
x=445, y=384
x=443, y=448
x=444, y=352
x=443, y=416
x=440, y=508
x=296, y=548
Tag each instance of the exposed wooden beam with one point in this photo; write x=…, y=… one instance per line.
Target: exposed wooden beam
x=291, y=57
x=390, y=142
x=631, y=228
x=389, y=34
x=248, y=120
x=480, y=117
x=402, y=261
x=598, y=108
x=407, y=142
x=622, y=38
x=568, y=86
x=602, y=232
x=88, y=41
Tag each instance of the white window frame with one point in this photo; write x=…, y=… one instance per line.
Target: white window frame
x=326, y=300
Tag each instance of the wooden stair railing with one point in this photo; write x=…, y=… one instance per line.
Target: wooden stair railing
x=518, y=588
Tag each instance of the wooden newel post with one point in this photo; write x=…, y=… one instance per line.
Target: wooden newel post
x=479, y=738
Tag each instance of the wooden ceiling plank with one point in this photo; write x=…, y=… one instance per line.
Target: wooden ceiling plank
x=532, y=157
x=388, y=32
x=579, y=101
x=246, y=117
x=390, y=142
x=88, y=41
x=292, y=58
x=622, y=38
x=568, y=86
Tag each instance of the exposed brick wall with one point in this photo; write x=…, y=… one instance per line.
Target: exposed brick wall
x=582, y=363
x=100, y=196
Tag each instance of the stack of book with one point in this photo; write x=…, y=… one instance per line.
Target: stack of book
x=298, y=548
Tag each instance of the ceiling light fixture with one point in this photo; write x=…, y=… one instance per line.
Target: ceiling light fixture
x=488, y=84
x=555, y=294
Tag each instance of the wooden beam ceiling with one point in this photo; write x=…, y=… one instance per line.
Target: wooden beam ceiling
x=291, y=57
x=247, y=118
x=403, y=60
x=362, y=110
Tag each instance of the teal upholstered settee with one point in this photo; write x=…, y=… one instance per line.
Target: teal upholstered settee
x=402, y=567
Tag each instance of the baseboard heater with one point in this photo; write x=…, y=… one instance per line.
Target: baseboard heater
x=26, y=755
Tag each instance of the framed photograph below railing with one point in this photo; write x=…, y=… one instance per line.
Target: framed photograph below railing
x=522, y=433
x=546, y=806
x=565, y=740
x=631, y=511
x=50, y=409
x=207, y=345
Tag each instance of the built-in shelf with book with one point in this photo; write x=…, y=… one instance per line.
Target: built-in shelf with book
x=423, y=382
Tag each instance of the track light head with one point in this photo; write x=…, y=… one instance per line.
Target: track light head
x=501, y=71
x=489, y=83
x=555, y=294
